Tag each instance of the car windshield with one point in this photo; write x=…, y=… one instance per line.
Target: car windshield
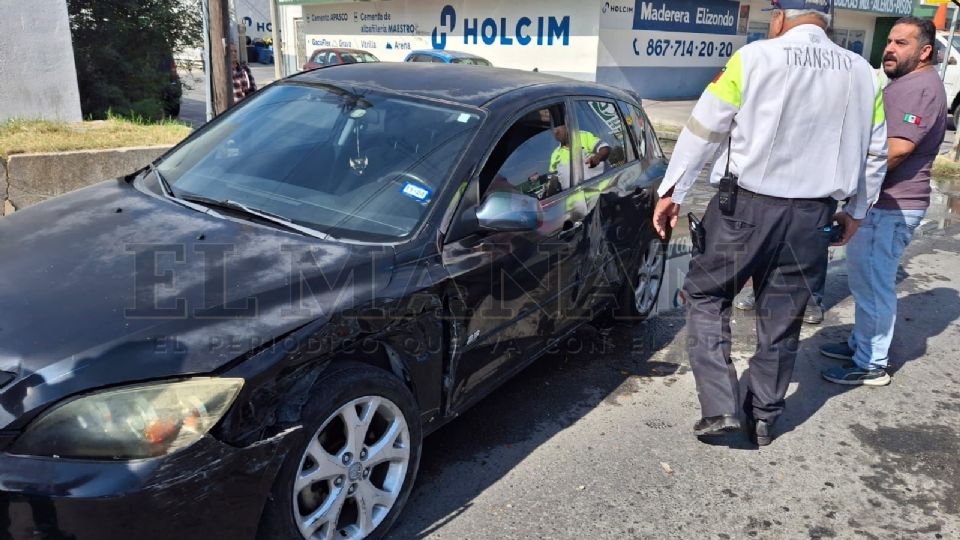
x=346, y=162
x=471, y=61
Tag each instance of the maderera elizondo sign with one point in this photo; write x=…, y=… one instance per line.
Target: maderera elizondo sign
x=700, y=16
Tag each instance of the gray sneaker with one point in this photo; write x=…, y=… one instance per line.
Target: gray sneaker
x=840, y=351
x=856, y=376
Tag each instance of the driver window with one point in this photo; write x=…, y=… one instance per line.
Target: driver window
x=532, y=157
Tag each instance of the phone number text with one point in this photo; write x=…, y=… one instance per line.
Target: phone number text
x=684, y=47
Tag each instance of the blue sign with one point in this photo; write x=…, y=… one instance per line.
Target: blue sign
x=692, y=16
x=502, y=31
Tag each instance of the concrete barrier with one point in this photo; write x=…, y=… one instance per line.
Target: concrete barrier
x=32, y=178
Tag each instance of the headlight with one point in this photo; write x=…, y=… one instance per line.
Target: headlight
x=132, y=422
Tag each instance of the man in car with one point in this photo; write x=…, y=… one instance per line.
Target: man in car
x=770, y=220
x=597, y=151
x=557, y=178
x=916, y=106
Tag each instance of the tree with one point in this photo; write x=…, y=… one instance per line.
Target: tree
x=124, y=54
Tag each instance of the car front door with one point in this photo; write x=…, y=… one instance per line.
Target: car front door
x=509, y=283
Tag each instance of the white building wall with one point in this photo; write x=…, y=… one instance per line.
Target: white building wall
x=289, y=15
x=255, y=15
x=607, y=40
x=38, y=77
x=553, y=37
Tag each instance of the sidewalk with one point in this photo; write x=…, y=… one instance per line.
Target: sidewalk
x=669, y=113
x=193, y=110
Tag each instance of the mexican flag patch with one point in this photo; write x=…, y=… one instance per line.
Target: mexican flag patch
x=911, y=119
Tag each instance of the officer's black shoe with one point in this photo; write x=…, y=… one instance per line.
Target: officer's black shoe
x=813, y=314
x=761, y=432
x=716, y=425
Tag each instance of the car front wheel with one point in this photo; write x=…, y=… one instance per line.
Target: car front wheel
x=351, y=474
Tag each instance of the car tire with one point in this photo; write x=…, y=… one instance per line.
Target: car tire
x=637, y=297
x=386, y=403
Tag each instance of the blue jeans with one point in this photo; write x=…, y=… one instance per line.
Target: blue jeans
x=873, y=256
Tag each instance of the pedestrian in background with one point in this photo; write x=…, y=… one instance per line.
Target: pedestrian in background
x=916, y=109
x=800, y=121
x=243, y=83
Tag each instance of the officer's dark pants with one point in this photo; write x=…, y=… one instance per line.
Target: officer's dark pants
x=777, y=242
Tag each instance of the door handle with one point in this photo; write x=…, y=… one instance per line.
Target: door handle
x=571, y=231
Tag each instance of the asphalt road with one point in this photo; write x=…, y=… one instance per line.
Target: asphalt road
x=596, y=443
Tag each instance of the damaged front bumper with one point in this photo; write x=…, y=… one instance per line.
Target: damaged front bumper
x=208, y=490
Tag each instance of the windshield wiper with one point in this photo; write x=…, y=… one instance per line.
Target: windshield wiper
x=262, y=214
x=167, y=191
x=164, y=185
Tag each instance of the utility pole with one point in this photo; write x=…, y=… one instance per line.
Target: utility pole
x=205, y=6
x=278, y=67
x=220, y=72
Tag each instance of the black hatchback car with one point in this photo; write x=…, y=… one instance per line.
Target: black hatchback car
x=251, y=337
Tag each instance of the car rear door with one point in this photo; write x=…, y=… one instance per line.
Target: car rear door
x=611, y=171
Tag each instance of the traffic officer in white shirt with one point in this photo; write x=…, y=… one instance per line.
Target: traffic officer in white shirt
x=800, y=122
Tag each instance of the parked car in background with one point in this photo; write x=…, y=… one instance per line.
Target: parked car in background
x=336, y=55
x=251, y=336
x=446, y=57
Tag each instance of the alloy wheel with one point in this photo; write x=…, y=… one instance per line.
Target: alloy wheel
x=352, y=471
x=649, y=277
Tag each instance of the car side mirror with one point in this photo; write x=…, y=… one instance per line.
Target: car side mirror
x=509, y=211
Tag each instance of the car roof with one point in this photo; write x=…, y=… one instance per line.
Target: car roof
x=446, y=53
x=468, y=85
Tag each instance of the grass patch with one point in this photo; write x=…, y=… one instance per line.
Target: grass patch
x=946, y=169
x=31, y=136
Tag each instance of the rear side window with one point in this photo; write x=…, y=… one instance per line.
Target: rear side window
x=602, y=140
x=642, y=134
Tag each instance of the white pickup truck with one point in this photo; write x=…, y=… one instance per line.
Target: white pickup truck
x=952, y=80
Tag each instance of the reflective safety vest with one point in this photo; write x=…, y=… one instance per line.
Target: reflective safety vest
x=804, y=118
x=560, y=158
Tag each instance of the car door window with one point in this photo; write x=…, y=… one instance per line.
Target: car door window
x=637, y=124
x=532, y=157
x=437, y=60
x=653, y=143
x=320, y=58
x=600, y=138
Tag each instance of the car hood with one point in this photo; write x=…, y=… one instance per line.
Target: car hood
x=110, y=284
